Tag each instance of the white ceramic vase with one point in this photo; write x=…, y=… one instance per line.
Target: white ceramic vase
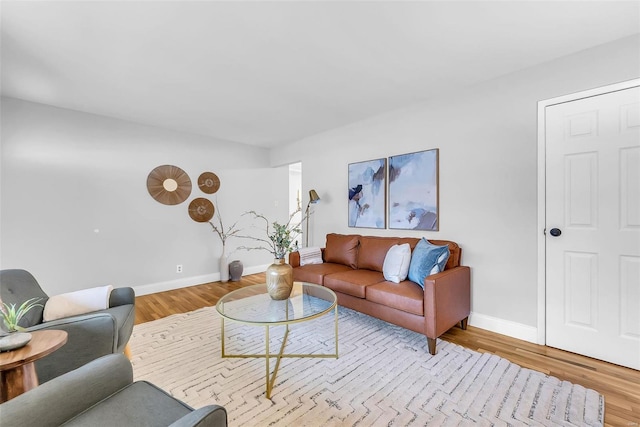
x=224, y=266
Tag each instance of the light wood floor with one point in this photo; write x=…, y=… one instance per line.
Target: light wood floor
x=620, y=386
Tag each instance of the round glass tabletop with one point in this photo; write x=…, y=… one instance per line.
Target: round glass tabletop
x=254, y=305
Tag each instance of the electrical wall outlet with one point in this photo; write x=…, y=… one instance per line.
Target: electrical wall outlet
x=179, y=268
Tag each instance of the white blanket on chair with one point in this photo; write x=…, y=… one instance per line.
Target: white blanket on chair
x=78, y=302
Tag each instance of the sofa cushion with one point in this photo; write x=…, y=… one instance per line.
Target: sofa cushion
x=314, y=273
x=396, y=263
x=353, y=282
x=405, y=296
x=427, y=259
x=342, y=249
x=373, y=250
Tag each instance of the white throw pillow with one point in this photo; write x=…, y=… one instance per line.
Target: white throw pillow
x=311, y=255
x=396, y=263
x=78, y=302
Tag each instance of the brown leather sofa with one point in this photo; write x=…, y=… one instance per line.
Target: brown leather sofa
x=352, y=268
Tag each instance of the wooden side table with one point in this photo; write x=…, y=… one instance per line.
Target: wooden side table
x=17, y=371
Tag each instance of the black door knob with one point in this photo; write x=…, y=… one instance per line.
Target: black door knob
x=555, y=232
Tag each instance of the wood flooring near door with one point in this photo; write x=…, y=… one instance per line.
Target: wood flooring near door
x=620, y=386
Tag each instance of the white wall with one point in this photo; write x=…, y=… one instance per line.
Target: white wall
x=66, y=174
x=488, y=172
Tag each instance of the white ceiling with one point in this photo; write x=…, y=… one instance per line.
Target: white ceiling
x=265, y=73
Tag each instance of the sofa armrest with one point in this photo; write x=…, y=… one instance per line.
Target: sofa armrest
x=122, y=296
x=89, y=336
x=66, y=396
x=208, y=416
x=447, y=300
x=294, y=259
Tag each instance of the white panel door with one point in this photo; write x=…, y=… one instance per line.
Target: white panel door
x=593, y=226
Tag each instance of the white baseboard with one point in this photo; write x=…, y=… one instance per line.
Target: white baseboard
x=185, y=282
x=504, y=327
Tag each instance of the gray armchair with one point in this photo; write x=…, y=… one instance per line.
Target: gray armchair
x=90, y=335
x=102, y=393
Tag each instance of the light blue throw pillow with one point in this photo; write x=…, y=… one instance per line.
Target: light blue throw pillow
x=427, y=259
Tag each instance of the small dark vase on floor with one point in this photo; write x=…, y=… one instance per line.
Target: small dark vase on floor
x=235, y=270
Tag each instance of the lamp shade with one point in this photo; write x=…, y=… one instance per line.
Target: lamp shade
x=313, y=197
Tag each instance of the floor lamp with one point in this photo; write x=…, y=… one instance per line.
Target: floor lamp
x=313, y=199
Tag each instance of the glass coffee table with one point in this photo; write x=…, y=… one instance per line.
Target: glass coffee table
x=252, y=305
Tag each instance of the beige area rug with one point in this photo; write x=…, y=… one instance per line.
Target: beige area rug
x=384, y=377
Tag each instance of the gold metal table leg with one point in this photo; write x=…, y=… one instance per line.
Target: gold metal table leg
x=336, y=332
x=271, y=382
x=222, y=335
x=271, y=376
x=266, y=358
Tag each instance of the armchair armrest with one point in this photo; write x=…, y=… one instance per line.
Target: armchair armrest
x=122, y=296
x=87, y=327
x=89, y=337
x=447, y=300
x=208, y=416
x=64, y=397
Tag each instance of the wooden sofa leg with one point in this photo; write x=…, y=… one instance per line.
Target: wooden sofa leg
x=432, y=345
x=463, y=323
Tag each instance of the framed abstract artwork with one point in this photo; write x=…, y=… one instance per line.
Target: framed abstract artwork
x=413, y=191
x=368, y=194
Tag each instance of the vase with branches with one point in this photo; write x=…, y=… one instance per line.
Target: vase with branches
x=224, y=234
x=279, y=240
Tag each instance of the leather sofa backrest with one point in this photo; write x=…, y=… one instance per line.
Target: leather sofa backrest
x=342, y=249
x=373, y=250
x=368, y=252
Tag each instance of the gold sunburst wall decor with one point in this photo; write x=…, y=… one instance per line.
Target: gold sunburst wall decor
x=201, y=210
x=169, y=185
x=209, y=182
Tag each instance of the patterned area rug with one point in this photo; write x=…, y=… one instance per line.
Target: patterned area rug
x=384, y=376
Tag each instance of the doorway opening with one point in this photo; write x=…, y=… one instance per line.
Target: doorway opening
x=295, y=196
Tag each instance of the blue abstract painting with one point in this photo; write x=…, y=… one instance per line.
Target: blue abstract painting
x=368, y=194
x=413, y=191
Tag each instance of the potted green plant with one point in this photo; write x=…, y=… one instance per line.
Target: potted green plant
x=11, y=316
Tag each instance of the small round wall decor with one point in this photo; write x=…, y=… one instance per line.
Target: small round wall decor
x=169, y=185
x=209, y=182
x=201, y=210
